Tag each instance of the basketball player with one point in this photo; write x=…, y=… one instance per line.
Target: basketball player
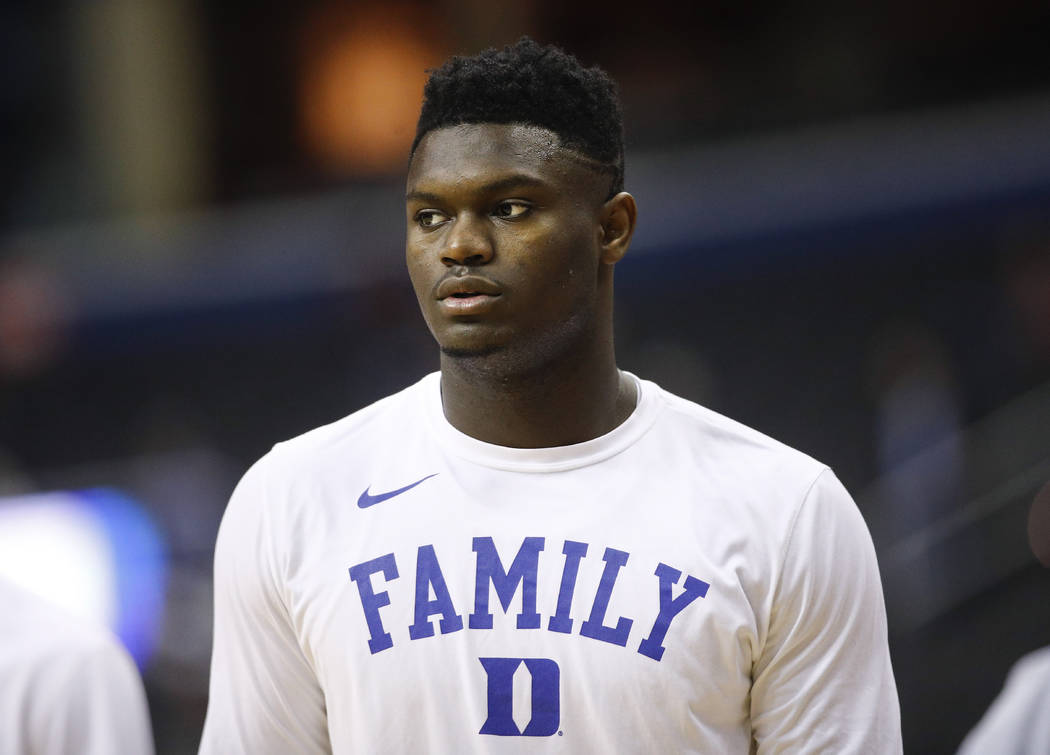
x=533, y=551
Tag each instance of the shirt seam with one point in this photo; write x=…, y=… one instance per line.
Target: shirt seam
x=794, y=522
x=779, y=579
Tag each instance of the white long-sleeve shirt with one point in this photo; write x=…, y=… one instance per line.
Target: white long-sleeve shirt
x=387, y=584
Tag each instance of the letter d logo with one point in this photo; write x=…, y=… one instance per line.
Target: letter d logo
x=546, y=697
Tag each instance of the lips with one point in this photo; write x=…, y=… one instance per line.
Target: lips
x=465, y=287
x=467, y=295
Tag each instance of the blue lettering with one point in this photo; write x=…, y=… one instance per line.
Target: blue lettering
x=371, y=602
x=574, y=552
x=595, y=627
x=522, y=570
x=428, y=575
x=652, y=645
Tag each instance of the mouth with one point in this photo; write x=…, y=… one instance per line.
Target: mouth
x=467, y=296
x=466, y=288
x=468, y=303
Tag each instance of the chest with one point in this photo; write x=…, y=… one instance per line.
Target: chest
x=610, y=587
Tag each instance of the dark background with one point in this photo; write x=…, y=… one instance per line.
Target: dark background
x=843, y=242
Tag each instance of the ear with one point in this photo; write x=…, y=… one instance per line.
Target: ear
x=618, y=217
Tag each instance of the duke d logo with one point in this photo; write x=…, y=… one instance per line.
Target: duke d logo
x=545, y=695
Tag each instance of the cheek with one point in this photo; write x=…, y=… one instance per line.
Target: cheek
x=569, y=281
x=422, y=286
x=417, y=271
x=572, y=263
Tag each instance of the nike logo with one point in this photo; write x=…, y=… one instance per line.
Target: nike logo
x=366, y=499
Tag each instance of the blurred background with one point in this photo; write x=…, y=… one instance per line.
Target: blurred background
x=844, y=242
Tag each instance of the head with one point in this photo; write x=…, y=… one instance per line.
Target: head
x=533, y=84
x=515, y=208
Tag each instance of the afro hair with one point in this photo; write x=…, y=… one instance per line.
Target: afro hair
x=531, y=84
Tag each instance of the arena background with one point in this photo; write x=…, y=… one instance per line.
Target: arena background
x=843, y=242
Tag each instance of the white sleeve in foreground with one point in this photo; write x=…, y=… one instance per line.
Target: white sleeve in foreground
x=263, y=695
x=1018, y=721
x=823, y=682
x=91, y=702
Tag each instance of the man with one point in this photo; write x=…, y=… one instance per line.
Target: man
x=533, y=551
x=67, y=687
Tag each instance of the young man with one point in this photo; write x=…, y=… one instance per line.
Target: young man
x=533, y=551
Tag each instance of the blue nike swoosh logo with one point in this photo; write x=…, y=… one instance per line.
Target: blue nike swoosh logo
x=366, y=499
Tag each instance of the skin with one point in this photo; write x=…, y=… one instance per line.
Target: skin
x=531, y=364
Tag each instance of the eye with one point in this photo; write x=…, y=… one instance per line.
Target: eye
x=511, y=209
x=430, y=218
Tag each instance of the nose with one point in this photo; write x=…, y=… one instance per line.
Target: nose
x=468, y=242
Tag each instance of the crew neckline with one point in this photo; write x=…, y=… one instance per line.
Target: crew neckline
x=539, y=460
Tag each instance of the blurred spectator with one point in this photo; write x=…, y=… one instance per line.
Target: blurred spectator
x=68, y=686
x=34, y=311
x=1018, y=721
x=917, y=410
x=1028, y=285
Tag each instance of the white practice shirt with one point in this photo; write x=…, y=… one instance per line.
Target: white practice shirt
x=682, y=584
x=1018, y=721
x=67, y=687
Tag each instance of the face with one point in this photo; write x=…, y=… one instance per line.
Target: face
x=504, y=241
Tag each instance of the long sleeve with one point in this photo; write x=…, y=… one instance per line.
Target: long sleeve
x=263, y=696
x=823, y=682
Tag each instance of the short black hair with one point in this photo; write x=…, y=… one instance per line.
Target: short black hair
x=532, y=84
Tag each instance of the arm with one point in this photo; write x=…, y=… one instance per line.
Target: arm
x=823, y=681
x=263, y=695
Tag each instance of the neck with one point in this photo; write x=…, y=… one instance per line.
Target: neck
x=579, y=397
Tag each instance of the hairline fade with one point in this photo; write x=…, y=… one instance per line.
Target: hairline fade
x=534, y=85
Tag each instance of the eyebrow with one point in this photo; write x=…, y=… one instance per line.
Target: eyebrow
x=502, y=184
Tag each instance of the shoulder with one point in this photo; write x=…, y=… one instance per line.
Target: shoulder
x=303, y=468
x=730, y=451
x=397, y=412
x=74, y=686
x=352, y=440
x=46, y=637
x=785, y=500
x=1016, y=719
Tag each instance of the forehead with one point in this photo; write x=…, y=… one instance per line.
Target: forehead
x=484, y=152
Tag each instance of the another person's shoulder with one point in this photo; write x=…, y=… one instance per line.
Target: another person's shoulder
x=44, y=634
x=1017, y=720
x=72, y=682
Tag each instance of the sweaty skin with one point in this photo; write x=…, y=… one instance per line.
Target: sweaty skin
x=510, y=246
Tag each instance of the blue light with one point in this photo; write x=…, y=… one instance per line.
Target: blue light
x=96, y=553
x=141, y=567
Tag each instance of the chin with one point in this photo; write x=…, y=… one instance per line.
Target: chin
x=468, y=341
x=460, y=351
